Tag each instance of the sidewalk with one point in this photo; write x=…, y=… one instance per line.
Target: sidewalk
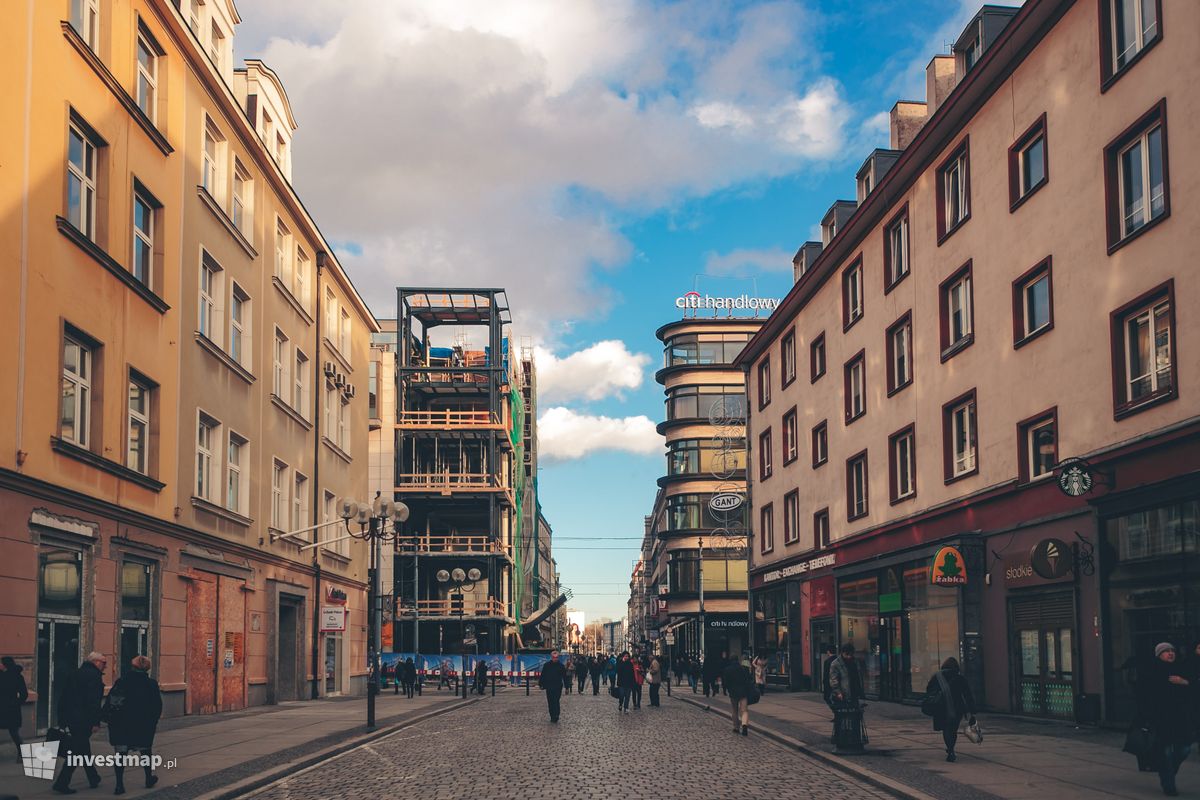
x=215, y=751
x=1019, y=759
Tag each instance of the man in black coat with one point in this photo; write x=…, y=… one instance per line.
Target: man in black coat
x=132, y=710
x=551, y=681
x=79, y=711
x=13, y=694
x=481, y=675
x=830, y=657
x=582, y=665
x=596, y=668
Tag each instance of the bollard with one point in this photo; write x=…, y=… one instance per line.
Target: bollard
x=668, y=686
x=494, y=686
x=420, y=683
x=527, y=685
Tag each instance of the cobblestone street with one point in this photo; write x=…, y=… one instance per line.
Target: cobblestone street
x=506, y=747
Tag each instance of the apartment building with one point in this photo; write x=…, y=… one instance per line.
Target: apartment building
x=974, y=420
x=187, y=367
x=691, y=579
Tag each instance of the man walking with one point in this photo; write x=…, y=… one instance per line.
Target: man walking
x=830, y=657
x=79, y=709
x=481, y=675
x=597, y=668
x=551, y=681
x=581, y=671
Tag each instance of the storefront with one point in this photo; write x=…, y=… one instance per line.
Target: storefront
x=726, y=633
x=794, y=619
x=902, y=624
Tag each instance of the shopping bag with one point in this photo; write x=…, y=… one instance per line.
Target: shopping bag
x=974, y=733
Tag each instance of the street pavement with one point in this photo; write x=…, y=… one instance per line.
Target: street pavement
x=506, y=747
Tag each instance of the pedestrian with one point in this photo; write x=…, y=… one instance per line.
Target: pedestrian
x=131, y=711
x=444, y=675
x=481, y=675
x=610, y=668
x=623, y=675
x=568, y=674
x=845, y=678
x=738, y=682
x=830, y=657
x=710, y=673
x=391, y=670
x=581, y=672
x=551, y=682
x=408, y=674
x=639, y=677
x=13, y=694
x=654, y=678
x=957, y=703
x=721, y=665
x=79, y=711
x=680, y=669
x=596, y=668
x=1165, y=705
x=760, y=673
x=694, y=672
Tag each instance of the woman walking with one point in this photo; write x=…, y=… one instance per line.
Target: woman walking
x=13, y=694
x=957, y=703
x=623, y=677
x=654, y=677
x=639, y=677
x=738, y=682
x=132, y=709
x=568, y=674
x=1166, y=707
x=760, y=673
x=408, y=674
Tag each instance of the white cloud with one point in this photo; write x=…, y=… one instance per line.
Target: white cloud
x=603, y=370
x=564, y=434
x=490, y=143
x=743, y=262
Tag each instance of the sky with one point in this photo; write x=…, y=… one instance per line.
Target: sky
x=596, y=158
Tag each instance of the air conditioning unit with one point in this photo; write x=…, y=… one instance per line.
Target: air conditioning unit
x=330, y=369
x=351, y=391
x=340, y=380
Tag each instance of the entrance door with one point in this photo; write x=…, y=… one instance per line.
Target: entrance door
x=822, y=637
x=202, y=644
x=1044, y=632
x=289, y=641
x=893, y=660
x=333, y=663
x=58, y=655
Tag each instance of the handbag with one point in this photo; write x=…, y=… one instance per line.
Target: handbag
x=974, y=733
x=752, y=696
x=931, y=706
x=1139, y=741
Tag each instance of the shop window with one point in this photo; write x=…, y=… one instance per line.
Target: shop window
x=137, y=580
x=858, y=625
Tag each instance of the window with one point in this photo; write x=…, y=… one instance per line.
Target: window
x=954, y=191
x=373, y=390
x=972, y=53
x=344, y=333
x=280, y=151
x=764, y=455
x=279, y=370
x=820, y=443
x=211, y=287
x=899, y=354
x=239, y=326
x=82, y=149
x=703, y=348
x=144, y=206
x=791, y=447
x=147, y=76
x=85, y=19
x=300, y=278
x=283, y=254
x=816, y=357
x=852, y=294
x=1028, y=164
x=300, y=504
x=216, y=46
x=343, y=425
x=764, y=382
x=720, y=458
x=268, y=127
x=211, y=171
x=207, y=442
x=857, y=492
x=300, y=399
x=331, y=314
x=957, y=309
x=1144, y=363
x=721, y=404
x=279, y=498
x=237, y=461
x=959, y=437
x=1033, y=304
x=895, y=250
x=1135, y=178
x=787, y=358
x=902, y=463
x=767, y=532
x=791, y=517
x=76, y=408
x=330, y=411
x=821, y=528
x=855, y=372
x=137, y=443
x=1128, y=28
x=1037, y=445
x=242, y=197
x=194, y=14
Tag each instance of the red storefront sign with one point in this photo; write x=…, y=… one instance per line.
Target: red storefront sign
x=820, y=597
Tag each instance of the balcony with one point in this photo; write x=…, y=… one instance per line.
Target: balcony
x=467, y=607
x=447, y=482
x=454, y=545
x=448, y=420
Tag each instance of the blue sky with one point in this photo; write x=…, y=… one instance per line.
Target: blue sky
x=597, y=158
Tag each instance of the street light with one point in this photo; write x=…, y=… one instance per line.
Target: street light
x=373, y=522
x=463, y=581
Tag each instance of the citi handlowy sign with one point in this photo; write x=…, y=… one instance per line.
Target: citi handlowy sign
x=744, y=302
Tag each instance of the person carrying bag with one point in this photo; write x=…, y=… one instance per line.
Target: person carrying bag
x=948, y=700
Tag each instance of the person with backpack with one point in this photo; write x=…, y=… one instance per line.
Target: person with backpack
x=79, y=712
x=131, y=711
x=13, y=694
x=948, y=700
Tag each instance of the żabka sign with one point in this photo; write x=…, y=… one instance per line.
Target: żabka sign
x=693, y=301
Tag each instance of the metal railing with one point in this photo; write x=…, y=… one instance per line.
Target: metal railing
x=444, y=481
x=447, y=419
x=467, y=607
x=433, y=544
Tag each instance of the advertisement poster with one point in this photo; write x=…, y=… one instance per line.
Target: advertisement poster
x=530, y=663
x=435, y=664
x=498, y=665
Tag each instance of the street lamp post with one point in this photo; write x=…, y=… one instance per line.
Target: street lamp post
x=462, y=581
x=700, y=579
x=373, y=522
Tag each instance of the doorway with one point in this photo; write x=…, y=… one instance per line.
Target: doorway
x=1044, y=637
x=60, y=615
x=893, y=666
x=333, y=663
x=823, y=636
x=289, y=640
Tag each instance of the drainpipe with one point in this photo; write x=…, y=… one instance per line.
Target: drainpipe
x=316, y=499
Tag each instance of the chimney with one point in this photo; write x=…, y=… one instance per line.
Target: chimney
x=939, y=81
x=908, y=116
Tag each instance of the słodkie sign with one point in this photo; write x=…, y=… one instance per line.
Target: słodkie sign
x=801, y=568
